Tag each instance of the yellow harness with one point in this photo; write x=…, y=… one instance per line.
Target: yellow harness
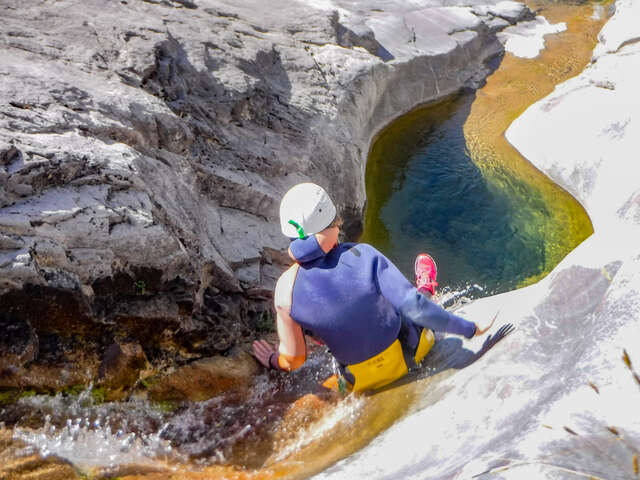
x=386, y=367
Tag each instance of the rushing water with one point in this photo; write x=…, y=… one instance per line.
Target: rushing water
x=442, y=180
x=282, y=426
x=242, y=428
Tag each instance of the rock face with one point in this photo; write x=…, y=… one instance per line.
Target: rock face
x=557, y=398
x=206, y=378
x=145, y=144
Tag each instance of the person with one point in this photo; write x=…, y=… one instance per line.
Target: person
x=352, y=298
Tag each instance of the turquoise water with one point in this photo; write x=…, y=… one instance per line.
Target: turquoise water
x=425, y=194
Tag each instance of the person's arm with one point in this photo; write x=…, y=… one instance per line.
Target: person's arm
x=291, y=353
x=416, y=307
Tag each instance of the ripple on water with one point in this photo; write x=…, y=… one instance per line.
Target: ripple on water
x=426, y=194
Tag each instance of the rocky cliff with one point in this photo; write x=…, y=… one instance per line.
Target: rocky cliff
x=145, y=144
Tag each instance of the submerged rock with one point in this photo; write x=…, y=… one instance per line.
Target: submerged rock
x=304, y=411
x=14, y=466
x=206, y=378
x=120, y=368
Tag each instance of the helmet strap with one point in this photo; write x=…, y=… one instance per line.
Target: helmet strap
x=299, y=229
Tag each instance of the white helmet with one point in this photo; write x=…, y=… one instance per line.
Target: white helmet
x=305, y=209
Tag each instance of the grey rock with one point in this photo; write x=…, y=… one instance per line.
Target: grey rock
x=508, y=10
x=9, y=243
x=144, y=151
x=497, y=24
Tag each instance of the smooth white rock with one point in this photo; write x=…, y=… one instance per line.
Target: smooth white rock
x=508, y=9
x=526, y=39
x=621, y=29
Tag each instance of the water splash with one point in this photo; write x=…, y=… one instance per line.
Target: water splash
x=344, y=413
x=236, y=428
x=93, y=436
x=90, y=444
x=453, y=299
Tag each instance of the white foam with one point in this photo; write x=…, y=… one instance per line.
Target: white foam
x=88, y=440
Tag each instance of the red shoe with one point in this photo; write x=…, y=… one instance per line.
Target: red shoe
x=426, y=273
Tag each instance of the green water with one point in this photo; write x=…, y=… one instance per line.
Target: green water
x=426, y=194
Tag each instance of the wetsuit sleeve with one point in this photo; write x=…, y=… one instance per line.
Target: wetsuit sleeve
x=414, y=306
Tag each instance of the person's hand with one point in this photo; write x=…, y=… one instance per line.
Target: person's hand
x=483, y=326
x=262, y=350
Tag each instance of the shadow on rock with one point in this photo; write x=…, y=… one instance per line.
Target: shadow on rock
x=449, y=353
x=455, y=356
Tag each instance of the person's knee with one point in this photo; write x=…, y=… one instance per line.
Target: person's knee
x=425, y=293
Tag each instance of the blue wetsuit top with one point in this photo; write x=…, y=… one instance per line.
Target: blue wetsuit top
x=356, y=301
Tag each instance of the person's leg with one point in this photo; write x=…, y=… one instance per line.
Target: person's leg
x=426, y=273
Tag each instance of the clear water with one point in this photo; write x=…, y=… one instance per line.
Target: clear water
x=443, y=179
x=483, y=226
